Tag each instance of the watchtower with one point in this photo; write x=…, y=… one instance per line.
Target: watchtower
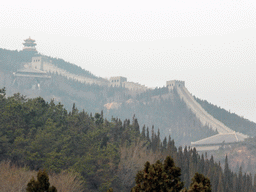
x=174, y=83
x=117, y=81
x=37, y=62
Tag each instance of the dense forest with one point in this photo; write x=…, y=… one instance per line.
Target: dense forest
x=159, y=107
x=103, y=152
x=168, y=113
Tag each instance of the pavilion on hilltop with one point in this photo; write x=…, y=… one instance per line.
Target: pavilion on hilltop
x=29, y=45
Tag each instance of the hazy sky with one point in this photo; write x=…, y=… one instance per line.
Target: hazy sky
x=208, y=44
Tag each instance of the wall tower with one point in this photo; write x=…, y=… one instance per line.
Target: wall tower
x=174, y=83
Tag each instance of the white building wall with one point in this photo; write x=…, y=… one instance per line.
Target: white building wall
x=36, y=63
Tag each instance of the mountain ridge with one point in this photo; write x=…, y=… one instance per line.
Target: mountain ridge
x=147, y=105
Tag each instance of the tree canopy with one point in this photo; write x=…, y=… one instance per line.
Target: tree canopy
x=159, y=177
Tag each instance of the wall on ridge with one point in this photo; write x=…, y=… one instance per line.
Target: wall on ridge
x=41, y=63
x=204, y=117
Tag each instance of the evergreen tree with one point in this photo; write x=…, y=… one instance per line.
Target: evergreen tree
x=41, y=185
x=227, y=182
x=200, y=183
x=165, y=143
x=110, y=190
x=148, y=134
x=143, y=133
x=220, y=183
x=159, y=177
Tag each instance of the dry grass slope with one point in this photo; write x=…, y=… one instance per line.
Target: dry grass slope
x=15, y=179
x=132, y=160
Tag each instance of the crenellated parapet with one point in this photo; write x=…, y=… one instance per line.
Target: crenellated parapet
x=225, y=134
x=117, y=81
x=174, y=83
x=45, y=64
x=120, y=81
x=136, y=87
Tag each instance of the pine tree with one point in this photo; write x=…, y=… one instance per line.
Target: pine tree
x=240, y=180
x=41, y=185
x=220, y=183
x=254, y=182
x=148, y=134
x=165, y=143
x=159, y=177
x=110, y=190
x=227, y=182
x=143, y=132
x=136, y=125
x=200, y=183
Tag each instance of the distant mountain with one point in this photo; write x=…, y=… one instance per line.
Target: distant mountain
x=159, y=107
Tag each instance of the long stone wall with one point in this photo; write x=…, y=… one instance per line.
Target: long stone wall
x=202, y=115
x=136, y=87
x=48, y=67
x=42, y=64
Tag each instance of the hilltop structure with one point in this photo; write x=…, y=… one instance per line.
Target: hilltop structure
x=216, y=141
x=225, y=134
x=31, y=78
x=117, y=81
x=39, y=70
x=120, y=81
x=42, y=65
x=29, y=45
x=174, y=83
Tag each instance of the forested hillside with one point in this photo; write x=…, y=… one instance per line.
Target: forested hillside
x=158, y=107
x=168, y=113
x=232, y=120
x=155, y=107
x=105, y=153
x=12, y=60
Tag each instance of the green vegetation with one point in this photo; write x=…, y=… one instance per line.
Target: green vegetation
x=42, y=183
x=159, y=177
x=168, y=112
x=232, y=120
x=158, y=107
x=102, y=153
x=200, y=183
x=12, y=60
x=166, y=178
x=71, y=68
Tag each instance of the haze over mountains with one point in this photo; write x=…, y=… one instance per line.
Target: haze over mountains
x=85, y=115
x=42, y=131
x=159, y=107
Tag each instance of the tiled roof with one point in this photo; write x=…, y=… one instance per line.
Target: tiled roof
x=30, y=70
x=222, y=138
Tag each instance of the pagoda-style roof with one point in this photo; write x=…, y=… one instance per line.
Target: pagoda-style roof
x=29, y=45
x=29, y=40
